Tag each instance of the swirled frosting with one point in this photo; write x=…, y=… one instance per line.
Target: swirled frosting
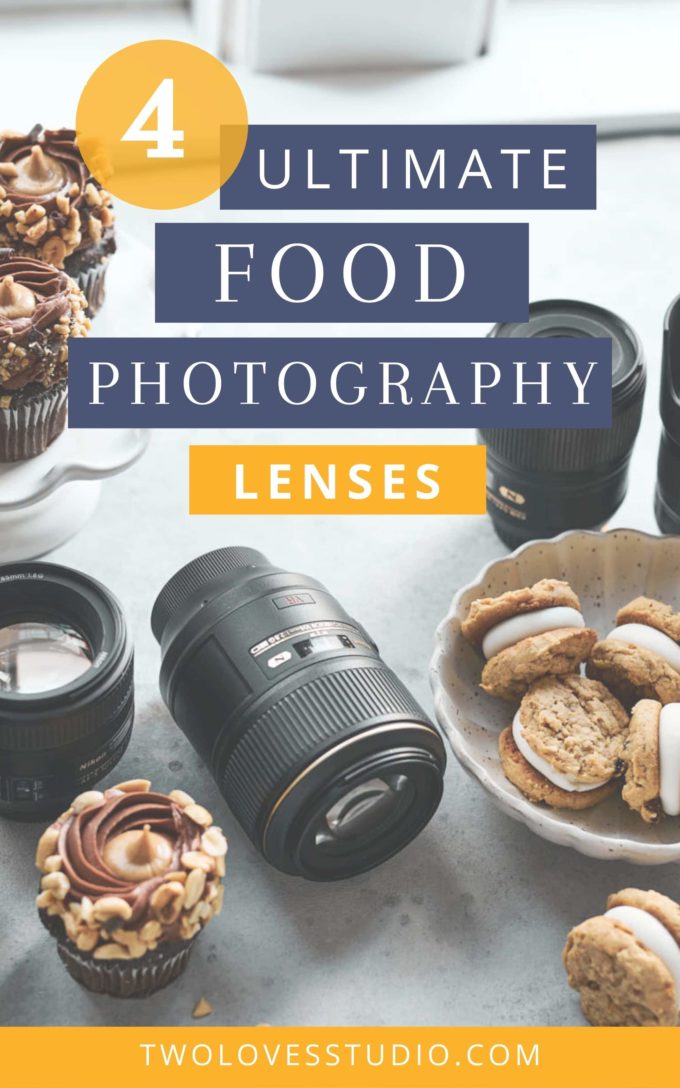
x=49, y=202
x=65, y=166
x=50, y=289
x=91, y=853
x=42, y=308
x=85, y=837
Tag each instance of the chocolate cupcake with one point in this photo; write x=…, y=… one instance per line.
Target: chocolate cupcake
x=40, y=307
x=52, y=208
x=130, y=879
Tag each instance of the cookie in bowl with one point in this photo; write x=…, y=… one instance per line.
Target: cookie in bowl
x=130, y=878
x=625, y=964
x=565, y=744
x=526, y=634
x=640, y=657
x=652, y=757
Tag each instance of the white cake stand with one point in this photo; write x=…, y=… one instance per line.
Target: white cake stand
x=45, y=501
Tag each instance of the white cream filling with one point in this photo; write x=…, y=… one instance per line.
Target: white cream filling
x=648, y=638
x=669, y=758
x=511, y=631
x=543, y=767
x=653, y=935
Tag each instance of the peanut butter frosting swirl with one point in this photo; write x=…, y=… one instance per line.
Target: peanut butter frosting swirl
x=84, y=838
x=50, y=289
x=128, y=869
x=40, y=308
x=58, y=165
x=49, y=201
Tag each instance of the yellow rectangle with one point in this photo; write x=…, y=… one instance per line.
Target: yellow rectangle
x=337, y=479
x=269, y=1057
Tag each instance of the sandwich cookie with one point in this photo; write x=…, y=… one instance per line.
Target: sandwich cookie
x=565, y=744
x=652, y=757
x=526, y=634
x=626, y=963
x=640, y=657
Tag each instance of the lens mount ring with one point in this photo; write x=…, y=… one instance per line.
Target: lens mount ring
x=331, y=753
x=327, y=706
x=399, y=750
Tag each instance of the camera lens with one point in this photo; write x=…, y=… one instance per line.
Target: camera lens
x=66, y=687
x=542, y=482
x=325, y=758
x=39, y=656
x=361, y=809
x=667, y=503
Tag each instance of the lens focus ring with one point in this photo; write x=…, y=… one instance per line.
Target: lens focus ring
x=277, y=745
x=196, y=575
x=565, y=451
x=66, y=726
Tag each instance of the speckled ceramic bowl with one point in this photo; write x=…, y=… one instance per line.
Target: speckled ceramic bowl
x=606, y=570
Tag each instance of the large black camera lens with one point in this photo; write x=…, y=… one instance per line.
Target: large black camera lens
x=542, y=482
x=66, y=687
x=667, y=504
x=323, y=755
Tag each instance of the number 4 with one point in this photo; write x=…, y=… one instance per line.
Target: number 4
x=164, y=135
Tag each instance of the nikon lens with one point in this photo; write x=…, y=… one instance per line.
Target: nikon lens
x=667, y=504
x=66, y=687
x=543, y=482
x=323, y=755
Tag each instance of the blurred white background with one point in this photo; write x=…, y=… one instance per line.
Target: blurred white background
x=610, y=60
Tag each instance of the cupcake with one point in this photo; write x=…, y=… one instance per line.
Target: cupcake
x=40, y=307
x=52, y=208
x=130, y=878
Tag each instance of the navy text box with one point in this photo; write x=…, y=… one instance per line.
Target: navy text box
x=390, y=166
x=191, y=281
x=325, y=372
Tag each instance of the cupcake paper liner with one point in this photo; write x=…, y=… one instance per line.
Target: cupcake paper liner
x=52, y=923
x=92, y=283
x=30, y=425
x=125, y=978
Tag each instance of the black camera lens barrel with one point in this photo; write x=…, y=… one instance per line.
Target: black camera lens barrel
x=542, y=482
x=323, y=755
x=57, y=742
x=667, y=498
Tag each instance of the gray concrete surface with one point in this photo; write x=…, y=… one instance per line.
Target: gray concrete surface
x=466, y=926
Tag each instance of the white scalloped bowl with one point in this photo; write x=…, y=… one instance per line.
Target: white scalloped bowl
x=606, y=570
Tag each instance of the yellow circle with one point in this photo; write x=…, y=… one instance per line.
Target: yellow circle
x=162, y=124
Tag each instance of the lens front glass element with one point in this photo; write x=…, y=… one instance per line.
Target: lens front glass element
x=361, y=809
x=41, y=655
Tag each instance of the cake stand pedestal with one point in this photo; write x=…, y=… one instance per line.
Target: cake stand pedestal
x=46, y=500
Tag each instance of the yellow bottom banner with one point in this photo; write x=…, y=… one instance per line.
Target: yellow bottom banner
x=259, y=1057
